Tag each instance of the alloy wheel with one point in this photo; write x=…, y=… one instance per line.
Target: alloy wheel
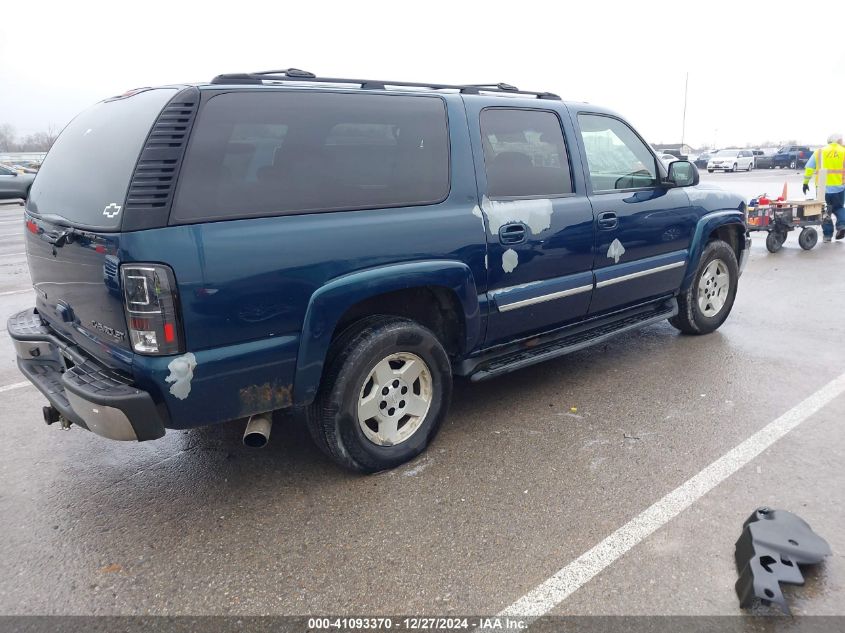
x=713, y=288
x=395, y=399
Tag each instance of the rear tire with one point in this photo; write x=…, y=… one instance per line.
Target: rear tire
x=705, y=305
x=793, y=164
x=363, y=363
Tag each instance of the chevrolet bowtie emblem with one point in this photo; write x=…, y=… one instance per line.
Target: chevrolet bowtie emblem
x=112, y=210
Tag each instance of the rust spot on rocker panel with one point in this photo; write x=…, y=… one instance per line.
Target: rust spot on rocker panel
x=265, y=397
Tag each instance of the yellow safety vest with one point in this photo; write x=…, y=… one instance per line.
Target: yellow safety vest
x=832, y=158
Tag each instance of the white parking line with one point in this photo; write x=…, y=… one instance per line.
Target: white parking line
x=12, y=254
x=15, y=292
x=547, y=595
x=15, y=385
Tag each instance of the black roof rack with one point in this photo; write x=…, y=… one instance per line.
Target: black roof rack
x=295, y=74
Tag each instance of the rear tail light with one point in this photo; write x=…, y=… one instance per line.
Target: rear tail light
x=151, y=301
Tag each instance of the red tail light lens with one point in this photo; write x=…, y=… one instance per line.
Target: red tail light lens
x=151, y=301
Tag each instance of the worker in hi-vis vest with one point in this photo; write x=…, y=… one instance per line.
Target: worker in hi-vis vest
x=832, y=158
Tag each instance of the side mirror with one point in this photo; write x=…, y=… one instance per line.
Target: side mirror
x=682, y=173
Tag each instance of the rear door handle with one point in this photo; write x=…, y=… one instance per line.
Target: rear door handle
x=608, y=220
x=513, y=233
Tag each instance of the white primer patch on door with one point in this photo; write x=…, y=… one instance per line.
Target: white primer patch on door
x=616, y=251
x=510, y=259
x=535, y=214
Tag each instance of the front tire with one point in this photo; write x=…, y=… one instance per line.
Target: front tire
x=705, y=305
x=385, y=390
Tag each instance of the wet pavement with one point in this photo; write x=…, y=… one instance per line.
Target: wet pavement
x=529, y=471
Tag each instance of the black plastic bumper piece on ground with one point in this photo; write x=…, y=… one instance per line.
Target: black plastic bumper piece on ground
x=772, y=545
x=82, y=391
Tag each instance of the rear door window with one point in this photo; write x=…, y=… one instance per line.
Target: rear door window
x=86, y=174
x=270, y=153
x=524, y=154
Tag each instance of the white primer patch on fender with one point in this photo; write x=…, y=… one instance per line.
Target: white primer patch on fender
x=535, y=214
x=510, y=259
x=181, y=374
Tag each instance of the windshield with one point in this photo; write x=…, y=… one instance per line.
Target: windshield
x=727, y=153
x=86, y=174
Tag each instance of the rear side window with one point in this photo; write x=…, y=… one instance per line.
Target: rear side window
x=270, y=153
x=86, y=174
x=524, y=154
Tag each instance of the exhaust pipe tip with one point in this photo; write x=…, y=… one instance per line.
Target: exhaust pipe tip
x=257, y=432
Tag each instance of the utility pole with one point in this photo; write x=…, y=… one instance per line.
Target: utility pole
x=684, y=122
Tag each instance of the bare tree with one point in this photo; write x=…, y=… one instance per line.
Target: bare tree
x=37, y=142
x=7, y=138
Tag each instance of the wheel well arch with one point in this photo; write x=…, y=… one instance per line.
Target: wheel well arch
x=725, y=225
x=439, y=294
x=730, y=234
x=437, y=308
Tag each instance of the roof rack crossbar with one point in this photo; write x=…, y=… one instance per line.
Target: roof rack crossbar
x=297, y=75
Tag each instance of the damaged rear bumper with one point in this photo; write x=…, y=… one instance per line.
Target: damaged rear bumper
x=82, y=390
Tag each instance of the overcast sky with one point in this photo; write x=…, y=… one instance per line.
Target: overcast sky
x=753, y=71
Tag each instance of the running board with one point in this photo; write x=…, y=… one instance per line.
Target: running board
x=532, y=352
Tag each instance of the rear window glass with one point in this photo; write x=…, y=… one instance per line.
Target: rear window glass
x=86, y=173
x=270, y=153
x=524, y=153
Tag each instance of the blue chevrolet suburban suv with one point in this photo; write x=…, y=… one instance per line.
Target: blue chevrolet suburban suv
x=214, y=252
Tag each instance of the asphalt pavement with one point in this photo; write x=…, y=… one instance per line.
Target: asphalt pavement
x=531, y=472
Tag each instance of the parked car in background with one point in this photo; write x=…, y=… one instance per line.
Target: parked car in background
x=30, y=167
x=731, y=160
x=765, y=159
x=348, y=251
x=792, y=156
x=702, y=159
x=14, y=185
